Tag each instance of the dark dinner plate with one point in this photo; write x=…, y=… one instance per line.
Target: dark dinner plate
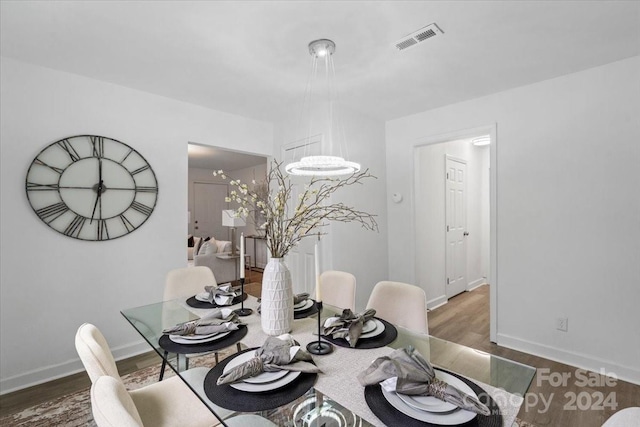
x=387, y=337
x=195, y=303
x=174, y=347
x=237, y=400
x=392, y=417
x=301, y=314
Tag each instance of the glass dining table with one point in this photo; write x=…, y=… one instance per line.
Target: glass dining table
x=333, y=397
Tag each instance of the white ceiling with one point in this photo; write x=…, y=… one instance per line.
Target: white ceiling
x=250, y=58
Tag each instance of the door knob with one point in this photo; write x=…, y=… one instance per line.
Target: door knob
x=466, y=233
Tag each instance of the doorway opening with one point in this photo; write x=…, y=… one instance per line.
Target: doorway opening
x=207, y=196
x=455, y=224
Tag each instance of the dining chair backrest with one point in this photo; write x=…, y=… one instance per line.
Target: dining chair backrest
x=112, y=405
x=94, y=353
x=400, y=303
x=338, y=288
x=188, y=281
x=627, y=417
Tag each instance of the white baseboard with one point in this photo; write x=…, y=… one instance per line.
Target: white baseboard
x=437, y=302
x=476, y=284
x=624, y=373
x=60, y=370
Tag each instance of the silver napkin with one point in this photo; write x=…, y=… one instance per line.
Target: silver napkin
x=219, y=320
x=276, y=354
x=221, y=295
x=298, y=298
x=348, y=325
x=416, y=376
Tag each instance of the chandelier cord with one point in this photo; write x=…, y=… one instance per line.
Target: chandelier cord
x=331, y=144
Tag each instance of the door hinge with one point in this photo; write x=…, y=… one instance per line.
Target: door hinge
x=447, y=228
x=447, y=175
x=447, y=280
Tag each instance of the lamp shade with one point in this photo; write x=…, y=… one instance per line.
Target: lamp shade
x=229, y=219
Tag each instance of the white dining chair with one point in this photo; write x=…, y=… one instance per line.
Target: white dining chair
x=338, y=289
x=112, y=405
x=400, y=303
x=161, y=404
x=627, y=417
x=187, y=282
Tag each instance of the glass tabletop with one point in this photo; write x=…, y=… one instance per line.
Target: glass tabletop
x=150, y=320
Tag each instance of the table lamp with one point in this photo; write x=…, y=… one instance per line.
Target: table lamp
x=229, y=219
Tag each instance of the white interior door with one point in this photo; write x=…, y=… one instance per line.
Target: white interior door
x=209, y=203
x=456, y=223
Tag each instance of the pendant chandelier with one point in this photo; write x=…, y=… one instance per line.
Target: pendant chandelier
x=331, y=160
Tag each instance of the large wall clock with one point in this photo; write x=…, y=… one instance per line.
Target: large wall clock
x=91, y=188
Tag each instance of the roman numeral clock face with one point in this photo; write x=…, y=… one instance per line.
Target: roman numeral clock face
x=91, y=187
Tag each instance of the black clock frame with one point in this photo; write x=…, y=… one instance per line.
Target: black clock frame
x=57, y=209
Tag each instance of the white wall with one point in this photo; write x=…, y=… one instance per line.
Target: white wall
x=568, y=211
x=348, y=247
x=50, y=284
x=430, y=216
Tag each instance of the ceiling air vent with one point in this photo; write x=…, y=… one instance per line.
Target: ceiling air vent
x=419, y=36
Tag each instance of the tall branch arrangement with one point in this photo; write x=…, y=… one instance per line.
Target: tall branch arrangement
x=286, y=221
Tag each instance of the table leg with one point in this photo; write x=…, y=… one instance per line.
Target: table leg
x=164, y=365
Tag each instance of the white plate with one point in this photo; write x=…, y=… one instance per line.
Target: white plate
x=377, y=331
x=224, y=300
x=203, y=297
x=308, y=304
x=301, y=303
x=179, y=339
x=433, y=404
x=459, y=416
x=273, y=385
x=369, y=326
x=263, y=382
x=194, y=337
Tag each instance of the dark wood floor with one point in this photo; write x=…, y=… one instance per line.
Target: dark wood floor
x=22, y=399
x=465, y=320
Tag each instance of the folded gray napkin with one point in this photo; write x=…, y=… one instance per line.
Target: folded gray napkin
x=221, y=295
x=276, y=354
x=414, y=375
x=298, y=298
x=219, y=320
x=348, y=325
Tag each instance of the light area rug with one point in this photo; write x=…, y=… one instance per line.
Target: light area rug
x=74, y=410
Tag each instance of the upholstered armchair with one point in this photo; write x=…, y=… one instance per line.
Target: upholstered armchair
x=192, y=249
x=224, y=270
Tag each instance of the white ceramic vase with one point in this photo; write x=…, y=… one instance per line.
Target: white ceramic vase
x=276, y=306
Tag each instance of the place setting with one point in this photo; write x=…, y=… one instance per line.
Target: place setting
x=263, y=378
x=219, y=329
x=217, y=296
x=303, y=306
x=358, y=330
x=403, y=388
